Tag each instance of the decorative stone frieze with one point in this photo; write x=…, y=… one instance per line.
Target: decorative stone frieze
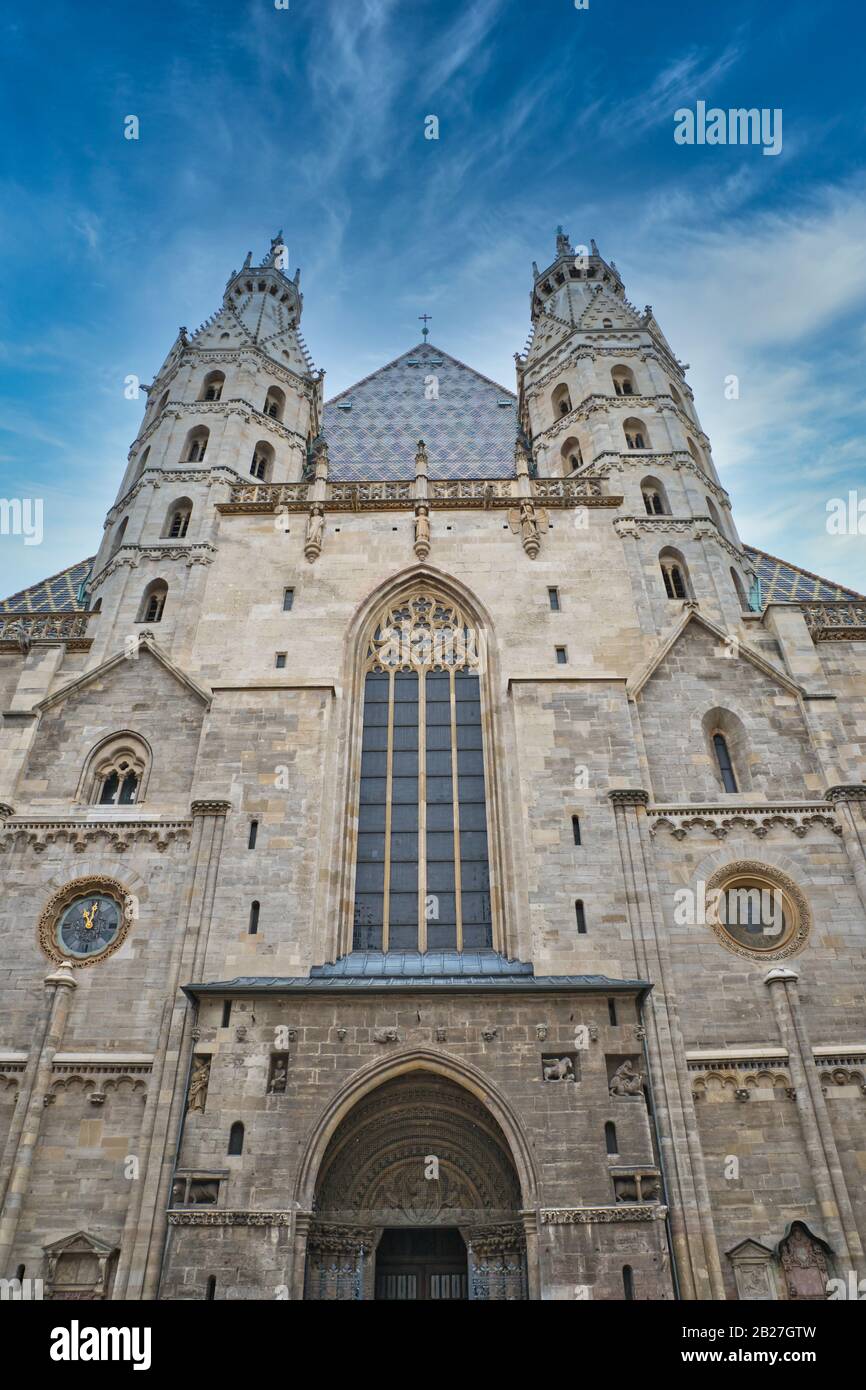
x=722, y=821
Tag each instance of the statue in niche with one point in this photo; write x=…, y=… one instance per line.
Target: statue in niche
x=804, y=1263
x=198, y=1085
x=626, y=1081
x=279, y=1077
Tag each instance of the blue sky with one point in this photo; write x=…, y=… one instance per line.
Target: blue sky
x=311, y=120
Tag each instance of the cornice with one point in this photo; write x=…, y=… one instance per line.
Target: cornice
x=602, y=402
x=234, y=405
x=80, y=833
x=154, y=477
x=589, y=1216
x=722, y=820
x=131, y=556
x=209, y=1217
x=697, y=527
x=607, y=461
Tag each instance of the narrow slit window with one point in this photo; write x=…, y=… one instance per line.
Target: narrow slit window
x=227, y=1013
x=561, y=656
x=254, y=918
x=628, y=1282
x=210, y=1292
x=280, y=661
x=288, y=600
x=254, y=834
x=723, y=758
x=236, y=1139
x=611, y=1012
x=610, y=1143
x=553, y=596
x=580, y=917
x=575, y=829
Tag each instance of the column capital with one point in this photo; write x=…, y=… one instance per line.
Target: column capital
x=210, y=808
x=62, y=976
x=781, y=974
x=629, y=796
x=846, y=791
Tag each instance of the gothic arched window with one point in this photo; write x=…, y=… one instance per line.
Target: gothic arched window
x=674, y=574
x=153, y=602
x=196, y=444
x=636, y=435
x=654, y=497
x=177, y=519
x=116, y=771
x=571, y=454
x=263, y=458
x=422, y=877
x=212, y=386
x=623, y=381
x=275, y=402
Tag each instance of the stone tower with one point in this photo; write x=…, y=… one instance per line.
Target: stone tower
x=238, y=396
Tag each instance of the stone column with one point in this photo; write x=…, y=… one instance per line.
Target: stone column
x=533, y=1271
x=827, y=1175
x=61, y=983
x=850, y=803
x=692, y=1232
x=139, y=1267
x=303, y=1222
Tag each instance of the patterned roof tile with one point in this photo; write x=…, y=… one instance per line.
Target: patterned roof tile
x=469, y=428
x=54, y=595
x=784, y=583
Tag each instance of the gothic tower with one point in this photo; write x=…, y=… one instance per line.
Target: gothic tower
x=239, y=397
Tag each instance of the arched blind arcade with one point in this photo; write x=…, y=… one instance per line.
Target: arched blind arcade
x=422, y=879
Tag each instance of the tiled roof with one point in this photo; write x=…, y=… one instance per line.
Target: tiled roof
x=469, y=429
x=784, y=583
x=53, y=595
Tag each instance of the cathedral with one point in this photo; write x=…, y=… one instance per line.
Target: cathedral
x=432, y=843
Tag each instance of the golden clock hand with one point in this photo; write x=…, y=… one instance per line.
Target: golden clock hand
x=89, y=916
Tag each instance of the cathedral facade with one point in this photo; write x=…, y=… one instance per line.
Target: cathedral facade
x=431, y=844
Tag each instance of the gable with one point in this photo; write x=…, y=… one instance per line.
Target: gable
x=469, y=427
x=698, y=680
x=140, y=695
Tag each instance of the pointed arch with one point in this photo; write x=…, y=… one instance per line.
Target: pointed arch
x=398, y=589
x=374, y=1075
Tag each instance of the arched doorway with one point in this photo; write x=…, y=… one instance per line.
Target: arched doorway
x=417, y=1198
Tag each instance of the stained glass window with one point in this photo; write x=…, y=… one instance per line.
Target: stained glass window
x=422, y=877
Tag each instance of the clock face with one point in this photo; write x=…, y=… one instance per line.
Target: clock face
x=88, y=925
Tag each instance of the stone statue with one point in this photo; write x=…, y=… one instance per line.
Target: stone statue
x=559, y=1069
x=422, y=533
x=279, y=1077
x=19, y=632
x=198, y=1085
x=315, y=531
x=626, y=1081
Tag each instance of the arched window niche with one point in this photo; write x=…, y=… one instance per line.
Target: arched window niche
x=116, y=771
x=728, y=746
x=422, y=788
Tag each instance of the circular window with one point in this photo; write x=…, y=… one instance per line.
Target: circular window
x=756, y=911
x=85, y=921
